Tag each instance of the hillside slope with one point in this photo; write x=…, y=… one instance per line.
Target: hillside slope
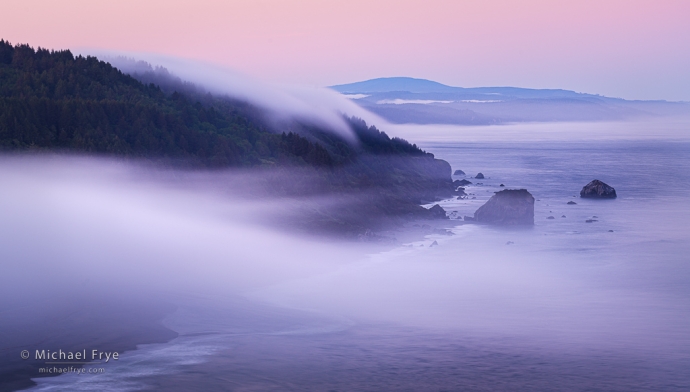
x=52, y=101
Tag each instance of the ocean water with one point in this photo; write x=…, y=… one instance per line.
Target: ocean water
x=565, y=305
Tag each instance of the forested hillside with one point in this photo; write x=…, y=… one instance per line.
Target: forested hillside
x=56, y=102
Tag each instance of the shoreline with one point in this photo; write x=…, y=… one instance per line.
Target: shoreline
x=96, y=322
x=121, y=324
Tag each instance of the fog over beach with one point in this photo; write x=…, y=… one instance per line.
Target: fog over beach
x=606, y=308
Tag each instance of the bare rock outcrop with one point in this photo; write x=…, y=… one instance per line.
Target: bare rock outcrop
x=598, y=190
x=507, y=207
x=437, y=212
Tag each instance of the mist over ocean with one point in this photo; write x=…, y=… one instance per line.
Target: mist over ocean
x=566, y=305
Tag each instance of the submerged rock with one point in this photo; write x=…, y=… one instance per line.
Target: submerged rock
x=435, y=243
x=508, y=207
x=479, y=176
x=458, y=173
x=462, y=182
x=598, y=190
x=571, y=202
x=550, y=217
x=501, y=185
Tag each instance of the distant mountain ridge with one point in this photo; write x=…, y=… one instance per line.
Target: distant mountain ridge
x=414, y=85
x=421, y=101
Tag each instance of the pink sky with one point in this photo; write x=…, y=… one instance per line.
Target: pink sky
x=633, y=49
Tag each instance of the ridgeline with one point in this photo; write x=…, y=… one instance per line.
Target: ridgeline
x=52, y=101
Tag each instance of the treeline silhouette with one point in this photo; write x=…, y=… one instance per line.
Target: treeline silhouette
x=54, y=100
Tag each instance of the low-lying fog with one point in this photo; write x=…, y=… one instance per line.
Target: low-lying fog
x=76, y=226
x=76, y=223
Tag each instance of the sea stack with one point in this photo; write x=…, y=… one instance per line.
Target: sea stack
x=507, y=207
x=598, y=190
x=437, y=212
x=459, y=173
x=479, y=176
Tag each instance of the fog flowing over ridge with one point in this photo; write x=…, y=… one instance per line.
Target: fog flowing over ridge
x=320, y=107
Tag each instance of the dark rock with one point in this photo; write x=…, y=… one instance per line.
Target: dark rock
x=507, y=207
x=509, y=243
x=571, y=202
x=550, y=217
x=473, y=198
x=462, y=182
x=458, y=173
x=461, y=198
x=437, y=212
x=433, y=244
x=501, y=185
x=468, y=218
x=562, y=216
x=610, y=231
x=479, y=176
x=598, y=190
x=591, y=220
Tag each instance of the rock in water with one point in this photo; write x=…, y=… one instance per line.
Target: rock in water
x=459, y=173
x=437, y=212
x=479, y=176
x=598, y=190
x=507, y=207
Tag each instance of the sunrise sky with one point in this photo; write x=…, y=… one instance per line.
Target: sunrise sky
x=634, y=49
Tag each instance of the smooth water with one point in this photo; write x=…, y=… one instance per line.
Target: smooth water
x=565, y=305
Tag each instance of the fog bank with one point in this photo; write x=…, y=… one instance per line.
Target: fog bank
x=315, y=106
